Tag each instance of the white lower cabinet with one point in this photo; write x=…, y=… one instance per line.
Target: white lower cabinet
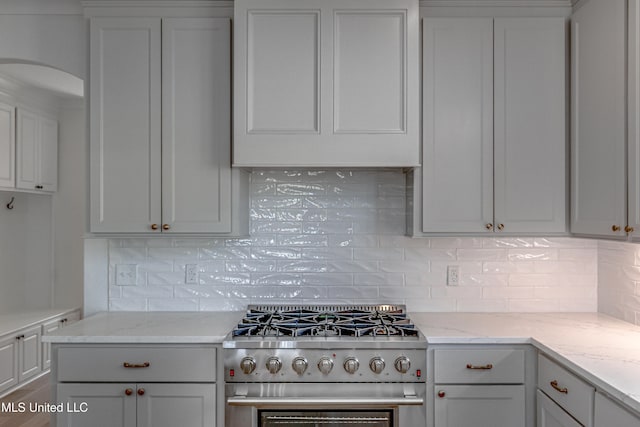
x=52, y=326
x=20, y=357
x=142, y=405
x=480, y=406
x=135, y=385
x=489, y=386
x=552, y=415
x=8, y=362
x=608, y=413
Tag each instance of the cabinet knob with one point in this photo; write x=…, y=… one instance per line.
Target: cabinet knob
x=441, y=394
x=39, y=187
x=615, y=228
x=489, y=226
x=500, y=227
x=154, y=226
x=140, y=392
x=629, y=229
x=128, y=392
x=166, y=226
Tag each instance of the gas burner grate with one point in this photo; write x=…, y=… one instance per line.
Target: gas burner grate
x=325, y=321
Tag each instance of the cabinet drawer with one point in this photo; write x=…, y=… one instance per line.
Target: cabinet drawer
x=481, y=366
x=145, y=363
x=570, y=392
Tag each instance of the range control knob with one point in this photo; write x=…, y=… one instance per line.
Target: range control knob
x=402, y=364
x=299, y=365
x=351, y=365
x=325, y=365
x=377, y=364
x=273, y=365
x=248, y=365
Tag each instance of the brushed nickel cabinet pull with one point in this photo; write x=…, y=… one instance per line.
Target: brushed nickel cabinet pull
x=139, y=365
x=563, y=390
x=484, y=368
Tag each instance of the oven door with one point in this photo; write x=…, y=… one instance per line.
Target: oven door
x=325, y=404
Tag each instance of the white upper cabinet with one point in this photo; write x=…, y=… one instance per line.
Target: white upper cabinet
x=37, y=152
x=160, y=127
x=326, y=83
x=494, y=137
x=7, y=145
x=530, y=140
x=633, y=125
x=598, y=119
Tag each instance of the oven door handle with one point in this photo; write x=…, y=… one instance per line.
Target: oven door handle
x=312, y=401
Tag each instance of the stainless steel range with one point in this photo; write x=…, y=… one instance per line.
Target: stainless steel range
x=325, y=366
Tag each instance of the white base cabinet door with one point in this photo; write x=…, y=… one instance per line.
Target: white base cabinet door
x=8, y=362
x=479, y=406
x=607, y=413
x=29, y=351
x=137, y=405
x=552, y=415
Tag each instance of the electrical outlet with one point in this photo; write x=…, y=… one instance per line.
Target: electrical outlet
x=191, y=274
x=453, y=275
x=126, y=274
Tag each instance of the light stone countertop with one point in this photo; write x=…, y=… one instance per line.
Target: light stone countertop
x=207, y=327
x=13, y=322
x=603, y=350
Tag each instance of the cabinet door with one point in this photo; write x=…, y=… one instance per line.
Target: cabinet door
x=598, y=119
x=457, y=154
x=633, y=125
x=8, y=362
x=607, y=413
x=7, y=146
x=125, y=104
x=328, y=83
x=27, y=150
x=48, y=154
x=530, y=135
x=107, y=405
x=29, y=353
x=552, y=415
x=170, y=405
x=196, y=117
x=479, y=406
x=48, y=328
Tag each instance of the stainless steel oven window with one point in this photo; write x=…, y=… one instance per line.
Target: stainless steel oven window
x=302, y=418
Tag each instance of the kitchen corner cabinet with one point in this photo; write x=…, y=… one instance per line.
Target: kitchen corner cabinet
x=36, y=152
x=326, y=83
x=160, y=127
x=7, y=145
x=494, y=138
x=599, y=177
x=608, y=413
x=136, y=385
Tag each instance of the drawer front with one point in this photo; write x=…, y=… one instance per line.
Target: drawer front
x=479, y=366
x=570, y=392
x=144, y=363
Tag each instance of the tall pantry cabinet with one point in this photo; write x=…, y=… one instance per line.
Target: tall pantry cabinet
x=161, y=127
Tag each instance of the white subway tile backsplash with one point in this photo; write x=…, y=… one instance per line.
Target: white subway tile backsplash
x=337, y=236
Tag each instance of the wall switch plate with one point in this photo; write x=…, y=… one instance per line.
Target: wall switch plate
x=191, y=274
x=126, y=274
x=453, y=275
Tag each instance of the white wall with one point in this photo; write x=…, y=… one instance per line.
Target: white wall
x=69, y=208
x=26, y=274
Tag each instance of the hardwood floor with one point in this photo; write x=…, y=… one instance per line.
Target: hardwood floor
x=37, y=391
